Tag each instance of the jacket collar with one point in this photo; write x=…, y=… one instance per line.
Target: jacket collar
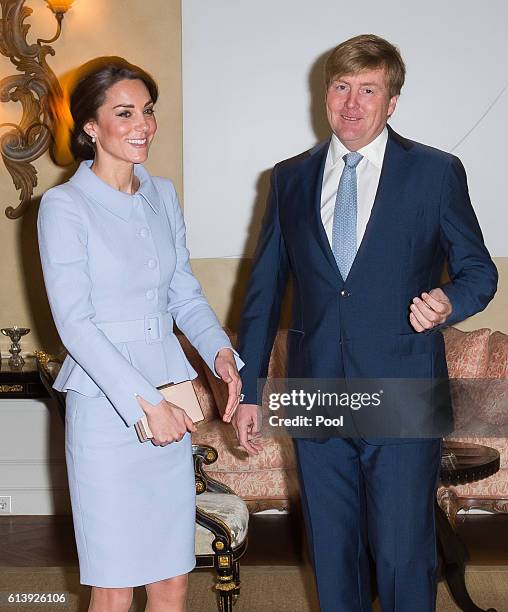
x=117, y=202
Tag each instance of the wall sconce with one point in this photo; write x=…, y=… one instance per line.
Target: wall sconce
x=35, y=89
x=59, y=6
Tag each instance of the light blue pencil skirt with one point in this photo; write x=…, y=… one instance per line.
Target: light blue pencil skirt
x=133, y=504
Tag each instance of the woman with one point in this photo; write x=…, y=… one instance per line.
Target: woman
x=117, y=273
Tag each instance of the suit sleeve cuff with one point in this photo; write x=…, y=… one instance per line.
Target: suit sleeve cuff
x=453, y=293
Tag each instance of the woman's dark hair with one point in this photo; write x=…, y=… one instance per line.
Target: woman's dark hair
x=89, y=94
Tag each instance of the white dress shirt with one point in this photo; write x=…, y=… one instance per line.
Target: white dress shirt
x=368, y=172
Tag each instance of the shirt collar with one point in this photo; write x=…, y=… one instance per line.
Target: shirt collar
x=374, y=152
x=117, y=202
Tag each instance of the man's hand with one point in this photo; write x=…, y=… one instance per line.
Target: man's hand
x=225, y=366
x=168, y=422
x=429, y=310
x=246, y=424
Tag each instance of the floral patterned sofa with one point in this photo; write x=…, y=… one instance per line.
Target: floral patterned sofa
x=269, y=480
x=478, y=368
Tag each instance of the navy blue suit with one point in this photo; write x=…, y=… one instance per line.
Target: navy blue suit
x=354, y=490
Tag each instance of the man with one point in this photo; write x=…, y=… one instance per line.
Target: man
x=364, y=223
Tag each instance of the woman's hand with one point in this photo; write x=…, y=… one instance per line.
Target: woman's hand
x=168, y=422
x=225, y=366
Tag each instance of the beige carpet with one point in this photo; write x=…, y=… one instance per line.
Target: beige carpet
x=264, y=589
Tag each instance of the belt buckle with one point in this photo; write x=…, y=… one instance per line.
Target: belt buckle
x=153, y=328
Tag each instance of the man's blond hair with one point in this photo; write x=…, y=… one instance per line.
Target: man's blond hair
x=367, y=52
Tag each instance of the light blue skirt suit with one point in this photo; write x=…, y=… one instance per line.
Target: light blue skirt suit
x=117, y=275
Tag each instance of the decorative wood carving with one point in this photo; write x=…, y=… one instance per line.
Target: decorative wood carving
x=34, y=89
x=492, y=504
x=451, y=503
x=448, y=501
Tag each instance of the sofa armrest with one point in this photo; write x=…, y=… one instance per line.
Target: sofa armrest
x=206, y=455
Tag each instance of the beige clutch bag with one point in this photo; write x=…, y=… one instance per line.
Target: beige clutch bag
x=181, y=395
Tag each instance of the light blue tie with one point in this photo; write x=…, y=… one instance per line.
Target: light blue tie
x=344, y=216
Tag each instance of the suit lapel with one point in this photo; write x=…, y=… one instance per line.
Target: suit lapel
x=387, y=195
x=314, y=170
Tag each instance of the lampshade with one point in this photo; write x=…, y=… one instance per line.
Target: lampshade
x=59, y=6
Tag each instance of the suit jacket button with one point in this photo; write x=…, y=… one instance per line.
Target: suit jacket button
x=344, y=293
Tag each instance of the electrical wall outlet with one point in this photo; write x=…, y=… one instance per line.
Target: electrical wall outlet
x=5, y=504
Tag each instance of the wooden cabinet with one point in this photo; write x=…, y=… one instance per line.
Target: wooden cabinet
x=21, y=383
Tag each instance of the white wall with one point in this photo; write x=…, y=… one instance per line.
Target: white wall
x=252, y=96
x=32, y=457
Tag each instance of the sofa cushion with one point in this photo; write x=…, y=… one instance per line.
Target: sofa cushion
x=229, y=509
x=277, y=451
x=496, y=486
x=494, y=392
x=262, y=489
x=467, y=353
x=492, y=405
x=467, y=358
x=498, y=356
x=481, y=405
x=491, y=417
x=271, y=474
